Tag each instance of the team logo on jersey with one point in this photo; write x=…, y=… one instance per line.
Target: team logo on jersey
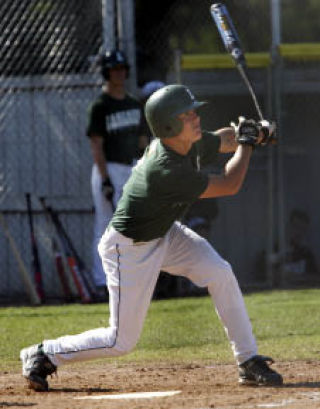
x=123, y=119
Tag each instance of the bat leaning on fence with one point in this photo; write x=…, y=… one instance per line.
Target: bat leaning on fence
x=36, y=267
x=60, y=260
x=25, y=276
x=80, y=275
x=231, y=41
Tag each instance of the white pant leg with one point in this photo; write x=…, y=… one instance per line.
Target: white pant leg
x=132, y=272
x=192, y=256
x=119, y=174
x=102, y=217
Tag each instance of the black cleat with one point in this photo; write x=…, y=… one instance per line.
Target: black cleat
x=256, y=371
x=36, y=366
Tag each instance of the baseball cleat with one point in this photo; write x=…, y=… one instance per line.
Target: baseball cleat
x=36, y=366
x=256, y=372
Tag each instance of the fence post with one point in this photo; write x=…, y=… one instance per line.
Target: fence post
x=270, y=188
x=126, y=33
x=277, y=94
x=177, y=65
x=108, y=24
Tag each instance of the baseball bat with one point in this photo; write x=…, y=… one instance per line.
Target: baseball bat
x=34, y=251
x=233, y=46
x=79, y=281
x=29, y=285
x=59, y=259
x=83, y=270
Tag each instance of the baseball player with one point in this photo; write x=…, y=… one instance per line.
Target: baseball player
x=145, y=236
x=117, y=134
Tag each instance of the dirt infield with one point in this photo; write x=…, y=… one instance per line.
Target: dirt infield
x=201, y=386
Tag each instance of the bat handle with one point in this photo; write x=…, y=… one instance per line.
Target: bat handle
x=253, y=95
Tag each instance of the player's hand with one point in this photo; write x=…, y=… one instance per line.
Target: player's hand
x=107, y=189
x=246, y=131
x=267, y=131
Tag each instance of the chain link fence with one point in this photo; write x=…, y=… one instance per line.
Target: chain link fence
x=47, y=81
x=46, y=86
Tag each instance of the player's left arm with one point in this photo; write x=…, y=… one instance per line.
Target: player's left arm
x=228, y=142
x=143, y=141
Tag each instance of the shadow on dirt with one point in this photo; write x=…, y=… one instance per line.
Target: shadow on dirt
x=302, y=385
x=84, y=389
x=19, y=404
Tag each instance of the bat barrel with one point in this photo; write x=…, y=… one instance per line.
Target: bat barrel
x=228, y=33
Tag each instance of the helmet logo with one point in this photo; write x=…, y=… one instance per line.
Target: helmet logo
x=119, y=56
x=190, y=94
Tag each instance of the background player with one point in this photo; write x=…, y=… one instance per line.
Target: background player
x=144, y=237
x=117, y=136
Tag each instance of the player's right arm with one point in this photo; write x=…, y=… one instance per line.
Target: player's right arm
x=231, y=179
x=96, y=131
x=248, y=133
x=96, y=143
x=228, y=143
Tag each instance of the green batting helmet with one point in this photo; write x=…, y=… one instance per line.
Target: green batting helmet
x=164, y=106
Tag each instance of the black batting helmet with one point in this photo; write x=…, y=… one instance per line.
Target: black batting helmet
x=112, y=59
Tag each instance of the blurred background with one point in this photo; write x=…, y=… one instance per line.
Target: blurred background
x=49, y=75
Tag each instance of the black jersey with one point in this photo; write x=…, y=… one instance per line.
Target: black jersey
x=120, y=122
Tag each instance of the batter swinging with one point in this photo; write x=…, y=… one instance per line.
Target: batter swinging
x=145, y=236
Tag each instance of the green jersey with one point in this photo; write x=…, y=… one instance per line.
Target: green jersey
x=120, y=122
x=161, y=187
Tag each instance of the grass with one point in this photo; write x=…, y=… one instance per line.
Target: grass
x=286, y=325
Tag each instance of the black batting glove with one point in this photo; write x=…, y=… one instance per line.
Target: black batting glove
x=267, y=128
x=246, y=131
x=107, y=189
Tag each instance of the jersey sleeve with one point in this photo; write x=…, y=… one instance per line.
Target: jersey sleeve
x=96, y=120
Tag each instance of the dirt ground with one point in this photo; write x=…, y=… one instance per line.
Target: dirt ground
x=201, y=386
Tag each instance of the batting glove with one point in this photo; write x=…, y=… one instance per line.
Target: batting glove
x=107, y=189
x=246, y=131
x=268, y=131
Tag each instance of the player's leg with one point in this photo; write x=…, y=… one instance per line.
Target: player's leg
x=103, y=214
x=132, y=274
x=192, y=256
x=119, y=174
x=131, y=282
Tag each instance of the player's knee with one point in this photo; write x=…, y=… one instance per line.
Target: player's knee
x=222, y=274
x=227, y=273
x=227, y=270
x=125, y=346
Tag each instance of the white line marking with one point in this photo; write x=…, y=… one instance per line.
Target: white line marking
x=135, y=395
x=276, y=404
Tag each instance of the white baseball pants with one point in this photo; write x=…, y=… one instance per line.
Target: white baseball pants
x=132, y=270
x=118, y=174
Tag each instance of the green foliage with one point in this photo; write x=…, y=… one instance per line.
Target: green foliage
x=286, y=325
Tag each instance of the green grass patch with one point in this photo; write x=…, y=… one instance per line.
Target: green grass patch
x=286, y=325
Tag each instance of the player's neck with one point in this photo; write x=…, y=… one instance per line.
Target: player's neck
x=115, y=91
x=180, y=146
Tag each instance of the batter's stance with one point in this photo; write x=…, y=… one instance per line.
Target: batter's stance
x=145, y=236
